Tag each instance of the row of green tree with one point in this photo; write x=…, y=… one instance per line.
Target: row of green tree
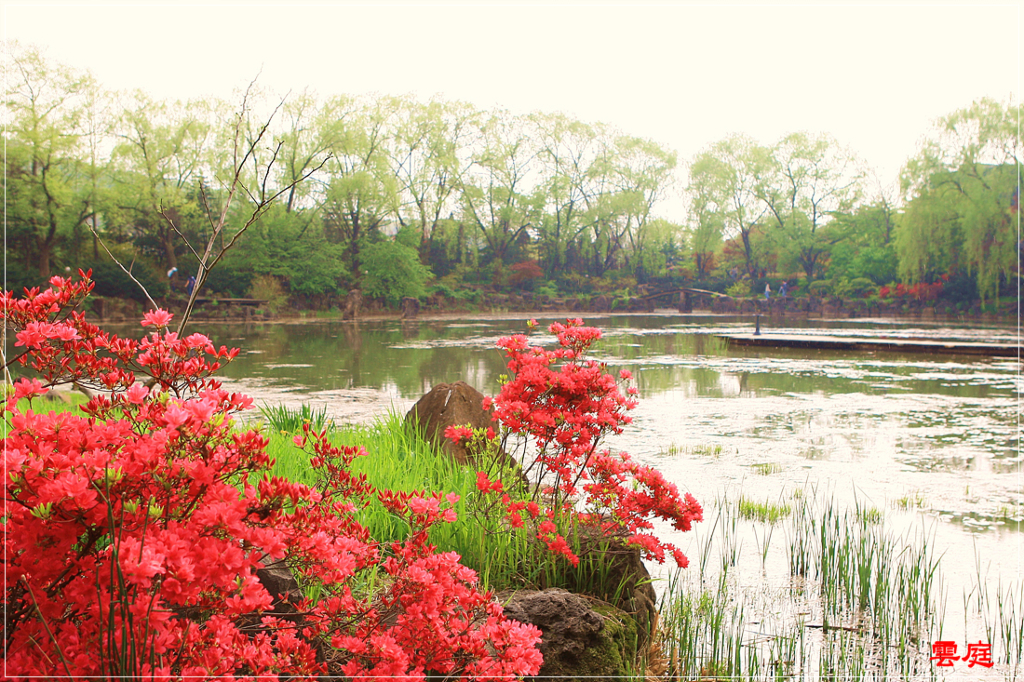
x=803, y=206
x=400, y=195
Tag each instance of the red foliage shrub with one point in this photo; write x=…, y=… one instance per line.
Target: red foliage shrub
x=132, y=534
x=526, y=270
x=921, y=291
x=566, y=404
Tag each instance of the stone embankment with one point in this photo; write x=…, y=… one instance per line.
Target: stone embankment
x=355, y=306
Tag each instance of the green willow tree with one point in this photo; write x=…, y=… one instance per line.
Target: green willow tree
x=361, y=191
x=568, y=154
x=429, y=154
x=643, y=175
x=705, y=229
x=809, y=180
x=307, y=137
x=960, y=189
x=727, y=177
x=163, y=151
x=499, y=192
x=49, y=180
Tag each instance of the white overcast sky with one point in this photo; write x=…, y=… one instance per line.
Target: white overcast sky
x=873, y=75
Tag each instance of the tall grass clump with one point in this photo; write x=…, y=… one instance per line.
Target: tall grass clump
x=282, y=419
x=398, y=458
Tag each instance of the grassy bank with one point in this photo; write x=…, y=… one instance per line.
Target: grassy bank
x=399, y=459
x=827, y=593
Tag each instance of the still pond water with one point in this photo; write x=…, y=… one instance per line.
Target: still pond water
x=942, y=429
x=887, y=424
x=869, y=428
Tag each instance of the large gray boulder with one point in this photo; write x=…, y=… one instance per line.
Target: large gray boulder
x=618, y=575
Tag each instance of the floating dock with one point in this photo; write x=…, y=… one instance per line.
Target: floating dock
x=855, y=343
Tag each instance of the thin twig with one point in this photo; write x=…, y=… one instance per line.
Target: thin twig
x=177, y=231
x=211, y=256
x=120, y=265
x=46, y=625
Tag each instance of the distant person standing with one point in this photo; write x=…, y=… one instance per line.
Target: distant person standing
x=170, y=278
x=190, y=284
x=767, y=291
x=782, y=290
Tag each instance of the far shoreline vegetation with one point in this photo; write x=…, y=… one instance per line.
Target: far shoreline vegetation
x=500, y=305
x=458, y=207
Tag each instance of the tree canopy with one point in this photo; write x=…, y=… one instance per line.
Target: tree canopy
x=481, y=198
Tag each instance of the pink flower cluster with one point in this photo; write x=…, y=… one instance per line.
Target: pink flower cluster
x=133, y=534
x=566, y=404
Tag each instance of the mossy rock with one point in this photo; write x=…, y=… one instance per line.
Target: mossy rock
x=617, y=653
x=582, y=637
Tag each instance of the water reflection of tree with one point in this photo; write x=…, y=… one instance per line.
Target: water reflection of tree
x=413, y=356
x=359, y=354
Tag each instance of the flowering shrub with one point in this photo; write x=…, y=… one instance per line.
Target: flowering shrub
x=132, y=534
x=921, y=291
x=566, y=404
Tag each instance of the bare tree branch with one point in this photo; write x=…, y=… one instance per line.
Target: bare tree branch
x=177, y=231
x=127, y=271
x=261, y=203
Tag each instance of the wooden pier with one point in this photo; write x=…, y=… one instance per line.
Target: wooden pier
x=855, y=343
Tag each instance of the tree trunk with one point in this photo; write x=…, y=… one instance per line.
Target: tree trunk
x=44, y=259
x=748, y=252
x=168, y=245
x=45, y=246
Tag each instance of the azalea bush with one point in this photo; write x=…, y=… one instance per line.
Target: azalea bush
x=922, y=291
x=133, y=533
x=559, y=405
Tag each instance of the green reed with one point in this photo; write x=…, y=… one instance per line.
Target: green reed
x=858, y=601
x=702, y=634
x=1001, y=609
